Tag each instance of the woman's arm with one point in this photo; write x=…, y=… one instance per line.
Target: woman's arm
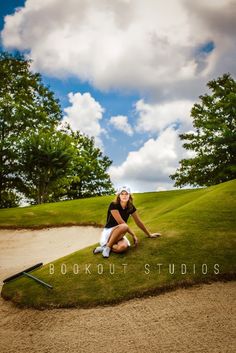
x=142, y=226
x=119, y=220
x=117, y=216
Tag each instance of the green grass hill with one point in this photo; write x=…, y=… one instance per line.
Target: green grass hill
x=197, y=245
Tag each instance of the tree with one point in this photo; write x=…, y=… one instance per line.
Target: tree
x=25, y=105
x=89, y=175
x=214, y=141
x=35, y=159
x=46, y=159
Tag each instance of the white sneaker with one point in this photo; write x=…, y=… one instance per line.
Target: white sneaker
x=106, y=251
x=98, y=249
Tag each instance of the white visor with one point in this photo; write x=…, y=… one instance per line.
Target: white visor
x=123, y=188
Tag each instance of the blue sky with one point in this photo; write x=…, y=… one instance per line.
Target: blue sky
x=133, y=72
x=114, y=103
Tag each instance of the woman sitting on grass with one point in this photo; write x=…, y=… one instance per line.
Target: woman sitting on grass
x=113, y=235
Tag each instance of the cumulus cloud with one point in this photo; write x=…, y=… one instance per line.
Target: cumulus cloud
x=120, y=122
x=127, y=44
x=217, y=20
x=84, y=115
x=155, y=118
x=149, y=167
x=165, y=50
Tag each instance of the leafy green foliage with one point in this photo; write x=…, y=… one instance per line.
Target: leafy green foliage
x=36, y=160
x=214, y=142
x=89, y=174
x=25, y=105
x=46, y=159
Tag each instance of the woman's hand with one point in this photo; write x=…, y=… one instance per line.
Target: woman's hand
x=135, y=239
x=154, y=235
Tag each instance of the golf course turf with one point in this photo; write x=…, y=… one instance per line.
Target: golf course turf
x=197, y=245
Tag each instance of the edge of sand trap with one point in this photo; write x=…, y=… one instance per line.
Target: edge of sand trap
x=22, y=248
x=153, y=293
x=49, y=226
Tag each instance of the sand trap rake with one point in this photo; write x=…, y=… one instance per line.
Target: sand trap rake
x=25, y=273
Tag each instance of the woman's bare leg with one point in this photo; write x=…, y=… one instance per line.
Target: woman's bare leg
x=120, y=247
x=117, y=234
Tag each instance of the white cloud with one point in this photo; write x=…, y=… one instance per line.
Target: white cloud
x=149, y=167
x=120, y=122
x=128, y=44
x=217, y=19
x=84, y=114
x=153, y=47
x=157, y=117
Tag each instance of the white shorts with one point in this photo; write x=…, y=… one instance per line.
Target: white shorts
x=106, y=234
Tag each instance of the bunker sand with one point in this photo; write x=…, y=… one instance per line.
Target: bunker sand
x=197, y=319
x=20, y=249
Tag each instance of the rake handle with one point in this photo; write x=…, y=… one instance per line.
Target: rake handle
x=21, y=273
x=37, y=280
x=25, y=272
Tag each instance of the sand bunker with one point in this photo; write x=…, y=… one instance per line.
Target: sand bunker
x=23, y=248
x=197, y=319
